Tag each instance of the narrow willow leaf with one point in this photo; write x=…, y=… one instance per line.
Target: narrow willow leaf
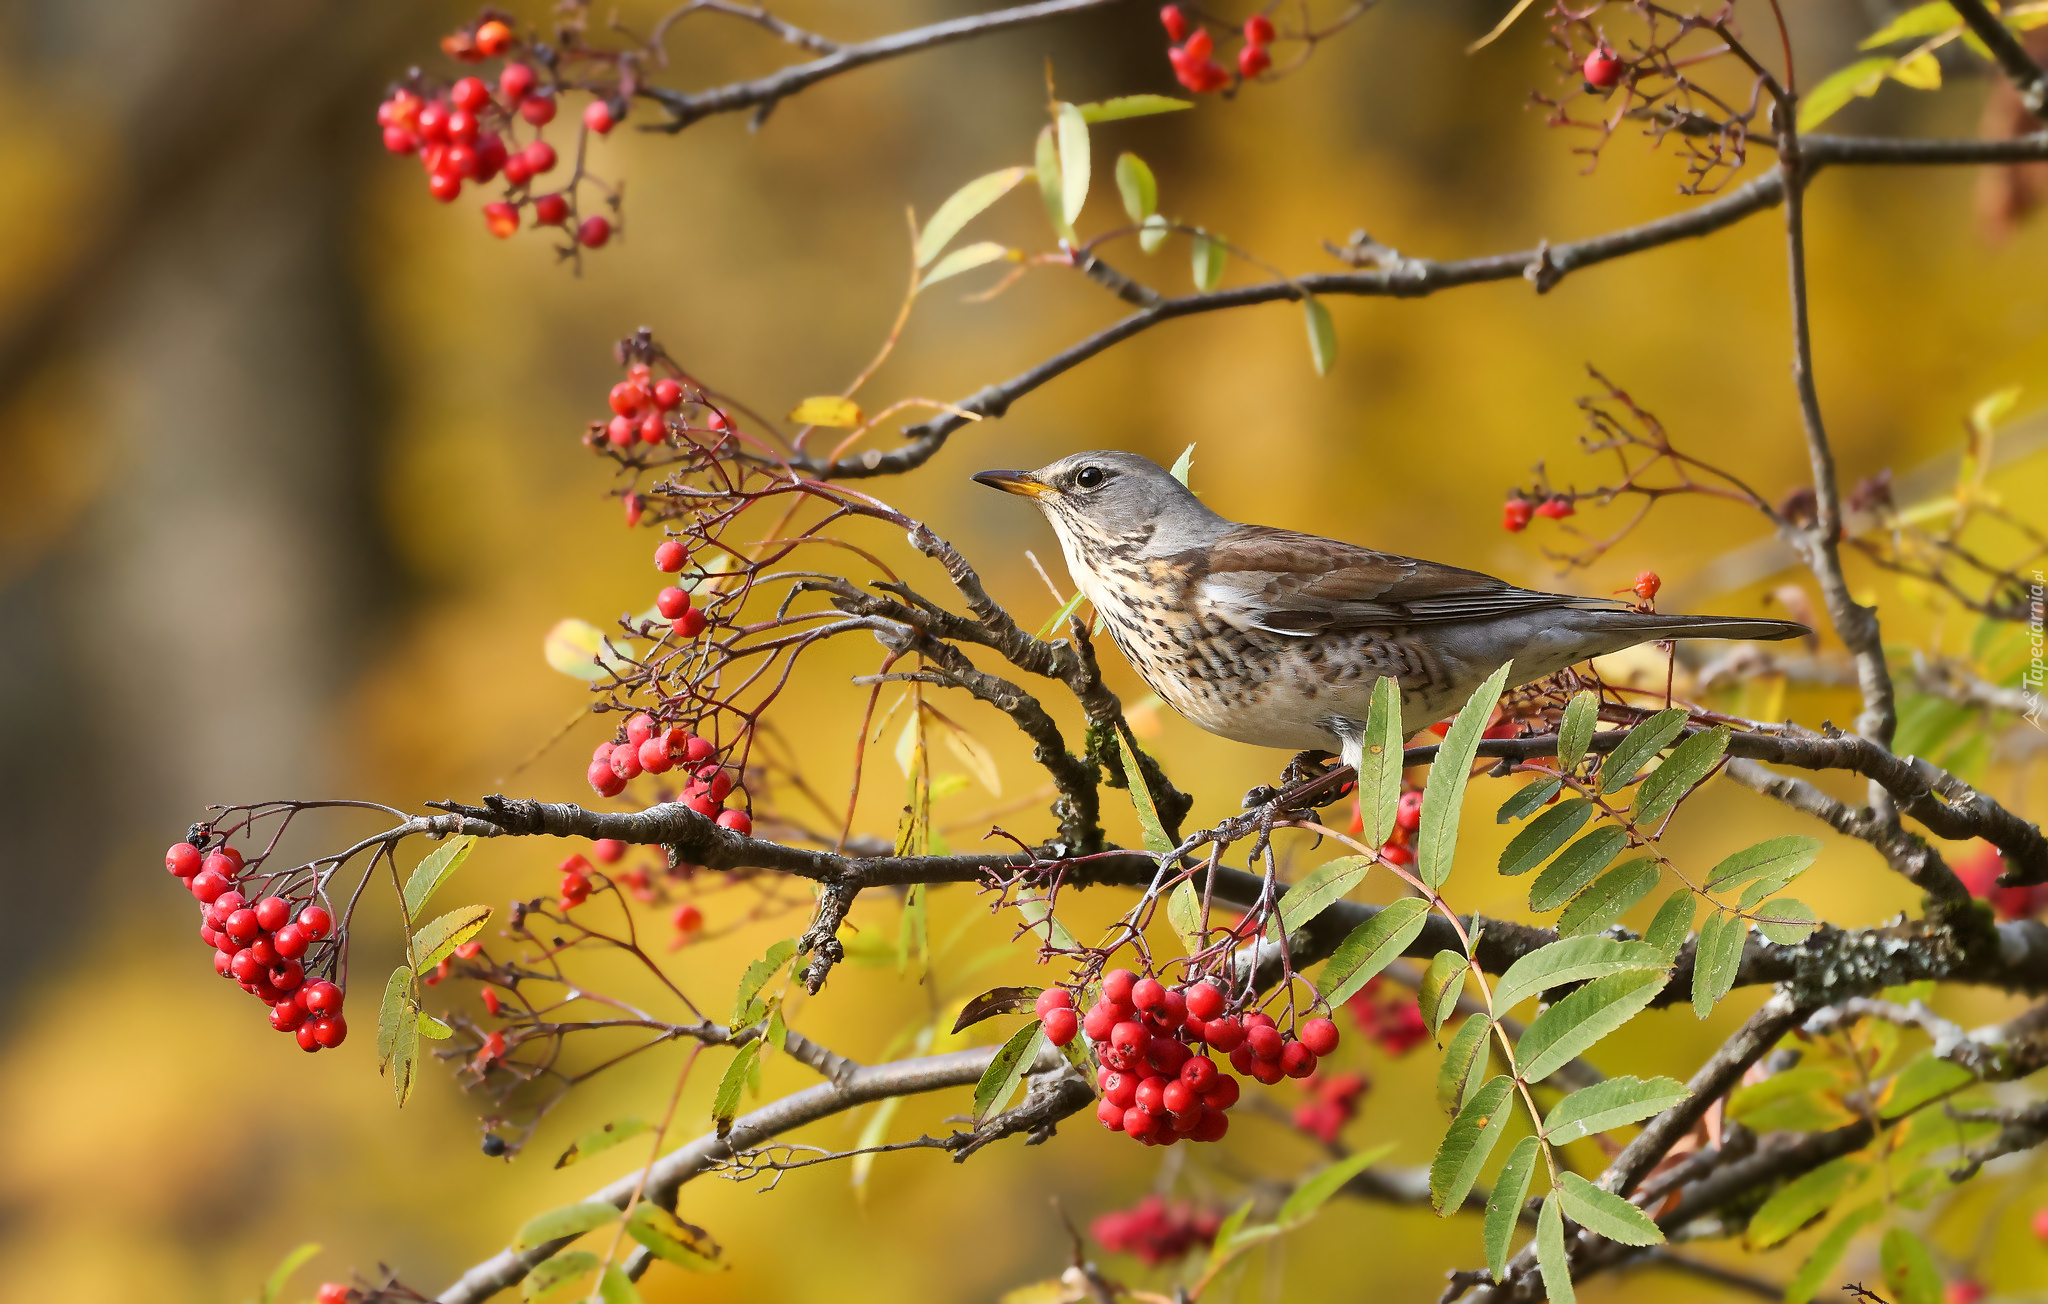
x=1467, y=1144
x=874, y=1134
x=1605, y=1213
x=1545, y=834
x=433, y=871
x=1672, y=922
x=598, y=1140
x=398, y=1034
x=1908, y=1268
x=1379, y=783
x=1463, y=1060
x=829, y=410
x=1776, y=860
x=1859, y=79
x=1571, y=1027
x=1686, y=766
x=437, y=940
x=1315, y=1190
x=558, y=1271
x=1530, y=799
x=569, y=1220
x=747, y=1007
x=1551, y=1257
x=1132, y=106
x=1047, y=165
x=1639, y=747
x=274, y=1285
x=1612, y=895
x=1504, y=1205
x=615, y=1287
x=1575, y=730
x=1715, y=960
x=1804, y=1199
x=1184, y=912
x=1371, y=947
x=1576, y=866
x=1915, y=24
x=1324, y=885
x=1322, y=335
x=962, y=207
x=1820, y=1265
x=1924, y=1079
x=1786, y=921
x=1038, y=918
x=1156, y=840
x=966, y=259
x=1209, y=256
x=673, y=1240
x=1000, y=1079
x=725, y=1102
x=1443, y=800
x=1136, y=186
x=1441, y=984
x=994, y=1001
x=1573, y=960
x=1614, y=1103
x=1074, y=165
x=1153, y=234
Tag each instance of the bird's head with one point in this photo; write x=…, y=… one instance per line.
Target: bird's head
x=1108, y=496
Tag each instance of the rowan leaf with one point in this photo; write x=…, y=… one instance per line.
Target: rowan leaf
x=1573, y=960
x=1136, y=186
x=1775, y=860
x=1379, y=785
x=1038, y=918
x=1803, y=1200
x=433, y=871
x=966, y=259
x=1571, y=1027
x=1575, y=729
x=1000, y=1079
x=1314, y=1191
x=1184, y=912
x=569, y=1220
x=1688, y=763
x=747, y=1007
x=1917, y=23
x=1074, y=163
x=1322, y=887
x=1132, y=106
x=1804, y=1099
x=1444, y=799
x=550, y=1274
x=1604, y=1213
x=672, y=1240
x=433, y=1028
x=1576, y=866
x=437, y=940
x=1715, y=960
x=725, y=1101
x=1543, y=835
x=1442, y=983
x=1371, y=947
x=1552, y=1259
x=962, y=207
x=1640, y=746
x=827, y=410
x=1617, y=1102
x=1156, y=840
x=1464, y=1060
x=1471, y=1138
x=615, y=1287
x=1923, y=1080
x=600, y=1139
x=1672, y=922
x=1322, y=335
x=1183, y=467
x=1504, y=1204
x=1046, y=160
x=1813, y=1274
x=1908, y=1268
x=1859, y=79
x=1527, y=800
x=1612, y=895
x=1787, y=922
x=398, y=1033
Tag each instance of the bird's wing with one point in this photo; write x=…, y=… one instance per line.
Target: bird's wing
x=1288, y=583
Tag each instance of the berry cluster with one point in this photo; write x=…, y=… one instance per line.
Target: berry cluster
x=1394, y=1023
x=1516, y=512
x=655, y=412
x=1194, y=56
x=266, y=944
x=1155, y=1231
x=462, y=133
x=1979, y=868
x=1332, y=1102
x=646, y=749
x=1156, y=1087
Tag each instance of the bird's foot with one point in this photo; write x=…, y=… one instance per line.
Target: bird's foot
x=1310, y=780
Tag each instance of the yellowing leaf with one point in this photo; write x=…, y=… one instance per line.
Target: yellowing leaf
x=1322, y=335
x=827, y=410
x=962, y=207
x=1859, y=79
x=577, y=648
x=1131, y=106
x=1137, y=186
x=967, y=259
x=1074, y=165
x=973, y=753
x=1922, y=72
x=1916, y=23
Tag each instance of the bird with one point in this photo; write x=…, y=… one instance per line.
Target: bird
x=1275, y=638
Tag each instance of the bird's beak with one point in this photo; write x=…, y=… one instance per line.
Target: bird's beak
x=1015, y=482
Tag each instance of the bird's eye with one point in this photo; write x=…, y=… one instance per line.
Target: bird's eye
x=1089, y=477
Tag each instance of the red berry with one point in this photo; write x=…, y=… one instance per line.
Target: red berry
x=652, y=429
x=1199, y=46
x=1222, y=1093
x=286, y=975
x=1397, y=854
x=314, y=922
x=291, y=941
x=1265, y=1042
x=322, y=998
x=1053, y=998
x=273, y=913
x=221, y=961
x=469, y=93
x=1965, y=1291
x=515, y=81
x=182, y=859
x=622, y=431
x=607, y=851
x=1129, y=1035
x=550, y=210
x=1200, y=1072
x=1408, y=812
x=462, y=127
x=1253, y=60
x=626, y=762
x=501, y=219
x=1110, y=1116
x=604, y=780
x=692, y=623
x=1265, y=1072
x=1178, y=1097
x=1138, y=1120
x=672, y=602
x=670, y=556
x=516, y=171
x=245, y=967
x=307, y=1041
x=1167, y=1055
x=1258, y=29
x=433, y=123
x=1601, y=69
x=1647, y=584
x=1320, y=1036
x=1120, y=1089
x=639, y=728
x=1205, y=1001
x=700, y=749
x=491, y=1002
x=1117, y=986
x=444, y=186
x=400, y=141
x=493, y=38
x=1147, y=994
x=598, y=117
x=1225, y=1035
x=286, y=1016
x=1212, y=1125
x=538, y=109
x=1557, y=509
x=1060, y=1025
x=743, y=824
x=265, y=953
x=1172, y=1011
x=1297, y=1060
x=539, y=157
x=1098, y=1021
x=330, y=1031
x=687, y=918
x=702, y=804
x=667, y=393
x=332, y=1292
x=243, y=926
x=1175, y=23
x=594, y=232
x=626, y=398
x=654, y=757
x=1514, y=515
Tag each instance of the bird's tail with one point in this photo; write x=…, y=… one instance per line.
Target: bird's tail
x=1652, y=625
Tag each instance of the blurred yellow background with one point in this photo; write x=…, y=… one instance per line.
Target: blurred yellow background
x=290, y=489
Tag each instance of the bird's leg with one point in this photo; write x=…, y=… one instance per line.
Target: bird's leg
x=1311, y=764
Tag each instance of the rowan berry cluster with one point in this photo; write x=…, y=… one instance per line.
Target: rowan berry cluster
x=1155, y=1231
x=1332, y=1102
x=268, y=944
x=648, y=749
x=465, y=132
x=1517, y=511
x=1193, y=56
x=1394, y=1023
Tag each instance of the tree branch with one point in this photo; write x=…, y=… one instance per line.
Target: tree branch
x=2005, y=47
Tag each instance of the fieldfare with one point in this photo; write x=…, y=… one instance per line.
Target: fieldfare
x=1276, y=638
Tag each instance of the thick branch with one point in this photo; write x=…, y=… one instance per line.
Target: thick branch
x=2005, y=47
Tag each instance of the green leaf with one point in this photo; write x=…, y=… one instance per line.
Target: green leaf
x=1444, y=799
x=1183, y=466
x=1442, y=983
x=1612, y=895
x=559, y=1271
x=1315, y=1190
x=1545, y=834
x=286, y=1266
x=1573, y=960
x=1614, y=1103
x=1804, y=1199
x=1324, y=885
x=398, y=1033
x=1859, y=79
x=994, y=1001
x=569, y=1220
x=1038, y=918
x=1686, y=766
x=1604, y=1213
x=1576, y=866
x=1642, y=744
x=1209, y=255
x=1322, y=334
x=1504, y=1205
x=1132, y=106
x=1819, y=1265
x=1715, y=960
x=672, y=1240
x=1917, y=23
x=1570, y=1028
x=966, y=260
x=962, y=207
x=1552, y=1259
x=725, y=1102
x=580, y=650
x=615, y=1287
x=1184, y=912
x=1137, y=187
x=1529, y=799
x=1074, y=166
x=600, y=1139
x=433, y=871
x=1787, y=921
x=999, y=1081
x=1470, y=1140
x=1156, y=840
x=1805, y=1099
x=1776, y=860
x=1672, y=922
x=1379, y=784
x=747, y=1007
x=1154, y=234
x=1047, y=161
x=434, y=1028
x=1464, y=1061
x=1371, y=947
x=1908, y=1268
x=1924, y=1079
x=1575, y=730
x=1059, y=618
x=437, y=940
